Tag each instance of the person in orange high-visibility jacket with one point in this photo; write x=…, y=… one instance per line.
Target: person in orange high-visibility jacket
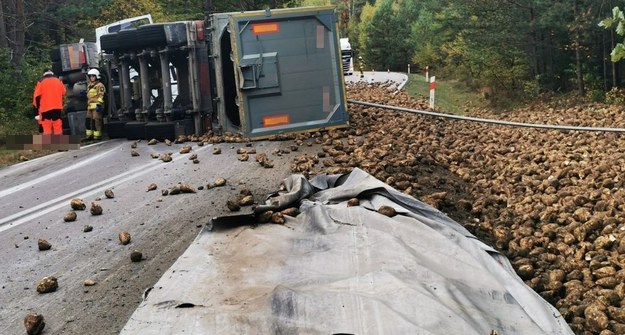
x=95, y=105
x=48, y=100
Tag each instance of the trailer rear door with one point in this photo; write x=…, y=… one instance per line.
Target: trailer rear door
x=287, y=70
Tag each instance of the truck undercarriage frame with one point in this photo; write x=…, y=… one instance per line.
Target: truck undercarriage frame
x=260, y=73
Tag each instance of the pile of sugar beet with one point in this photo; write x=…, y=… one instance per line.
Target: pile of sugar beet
x=551, y=200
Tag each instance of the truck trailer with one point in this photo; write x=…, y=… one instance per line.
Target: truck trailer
x=256, y=73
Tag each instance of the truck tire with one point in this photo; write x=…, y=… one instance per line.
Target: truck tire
x=77, y=104
x=127, y=39
x=185, y=126
x=77, y=88
x=66, y=129
x=116, y=129
x=135, y=130
x=73, y=77
x=57, y=67
x=152, y=35
x=69, y=93
x=55, y=54
x=160, y=130
x=109, y=42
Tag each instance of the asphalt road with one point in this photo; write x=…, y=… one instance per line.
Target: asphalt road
x=35, y=196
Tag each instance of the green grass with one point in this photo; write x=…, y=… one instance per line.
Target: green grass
x=451, y=96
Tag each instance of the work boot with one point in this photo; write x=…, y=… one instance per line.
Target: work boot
x=89, y=134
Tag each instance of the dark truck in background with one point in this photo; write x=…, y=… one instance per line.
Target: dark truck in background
x=258, y=73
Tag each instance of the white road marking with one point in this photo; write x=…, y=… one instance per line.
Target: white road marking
x=51, y=175
x=63, y=201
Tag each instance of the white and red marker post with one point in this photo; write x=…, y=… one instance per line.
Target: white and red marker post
x=427, y=73
x=432, y=91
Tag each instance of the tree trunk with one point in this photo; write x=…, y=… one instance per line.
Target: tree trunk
x=578, y=65
x=9, y=11
x=3, y=29
x=534, y=42
x=604, y=63
x=614, y=81
x=20, y=33
x=578, y=55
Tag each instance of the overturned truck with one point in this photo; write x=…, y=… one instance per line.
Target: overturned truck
x=258, y=73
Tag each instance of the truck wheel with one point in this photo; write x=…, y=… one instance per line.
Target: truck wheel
x=69, y=93
x=135, y=130
x=66, y=129
x=78, y=87
x=77, y=104
x=57, y=67
x=160, y=130
x=109, y=42
x=73, y=77
x=55, y=55
x=116, y=129
x=127, y=39
x=152, y=35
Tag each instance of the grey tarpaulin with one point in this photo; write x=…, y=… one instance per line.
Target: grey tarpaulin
x=338, y=269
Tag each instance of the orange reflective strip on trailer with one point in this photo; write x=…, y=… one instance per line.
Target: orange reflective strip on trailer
x=82, y=56
x=276, y=120
x=71, y=57
x=265, y=28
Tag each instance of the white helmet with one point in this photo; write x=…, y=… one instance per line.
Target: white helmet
x=94, y=72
